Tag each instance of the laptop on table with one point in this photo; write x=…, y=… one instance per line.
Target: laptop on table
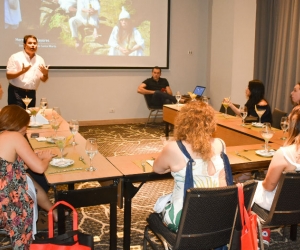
x=199, y=90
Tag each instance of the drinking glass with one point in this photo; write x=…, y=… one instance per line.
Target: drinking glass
x=34, y=112
x=284, y=126
x=178, y=97
x=193, y=96
x=243, y=114
x=74, y=127
x=43, y=105
x=204, y=99
x=267, y=133
x=259, y=112
x=26, y=101
x=60, y=143
x=225, y=103
x=91, y=150
x=55, y=123
x=56, y=112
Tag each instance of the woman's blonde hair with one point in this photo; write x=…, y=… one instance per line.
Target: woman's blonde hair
x=294, y=127
x=196, y=124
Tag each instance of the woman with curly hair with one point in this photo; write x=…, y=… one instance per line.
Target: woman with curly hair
x=194, y=127
x=255, y=93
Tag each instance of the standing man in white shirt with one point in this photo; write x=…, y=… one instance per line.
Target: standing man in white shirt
x=24, y=71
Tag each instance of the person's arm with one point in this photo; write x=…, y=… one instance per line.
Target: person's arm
x=142, y=90
x=276, y=167
x=169, y=159
x=36, y=162
x=13, y=75
x=234, y=109
x=169, y=91
x=44, y=70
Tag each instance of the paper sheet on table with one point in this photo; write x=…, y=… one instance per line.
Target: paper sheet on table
x=39, y=119
x=150, y=162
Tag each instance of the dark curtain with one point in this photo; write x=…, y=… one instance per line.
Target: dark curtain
x=277, y=46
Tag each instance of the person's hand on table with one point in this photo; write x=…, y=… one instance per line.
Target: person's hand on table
x=45, y=155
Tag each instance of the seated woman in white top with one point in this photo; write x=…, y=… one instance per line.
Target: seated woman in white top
x=194, y=127
x=286, y=159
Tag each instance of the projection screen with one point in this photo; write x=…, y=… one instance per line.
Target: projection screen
x=89, y=33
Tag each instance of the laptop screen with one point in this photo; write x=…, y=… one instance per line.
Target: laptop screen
x=199, y=90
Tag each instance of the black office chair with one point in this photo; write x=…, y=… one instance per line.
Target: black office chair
x=285, y=209
x=276, y=117
x=206, y=221
x=229, y=110
x=155, y=111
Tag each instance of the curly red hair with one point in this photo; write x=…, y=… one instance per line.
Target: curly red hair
x=196, y=124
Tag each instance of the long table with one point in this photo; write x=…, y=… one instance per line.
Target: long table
x=77, y=173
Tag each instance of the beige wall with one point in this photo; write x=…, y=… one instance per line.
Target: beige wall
x=215, y=31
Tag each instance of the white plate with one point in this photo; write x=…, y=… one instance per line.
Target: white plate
x=257, y=124
x=56, y=162
x=35, y=125
x=270, y=153
x=50, y=140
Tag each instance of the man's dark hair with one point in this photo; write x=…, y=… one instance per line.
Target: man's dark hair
x=28, y=36
x=156, y=67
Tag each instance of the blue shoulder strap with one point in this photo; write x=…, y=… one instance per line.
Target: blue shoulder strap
x=189, y=180
x=227, y=167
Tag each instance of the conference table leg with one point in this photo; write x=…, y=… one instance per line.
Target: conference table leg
x=129, y=192
x=167, y=129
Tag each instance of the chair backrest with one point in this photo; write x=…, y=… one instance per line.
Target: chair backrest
x=285, y=209
x=276, y=117
x=229, y=110
x=148, y=102
x=207, y=218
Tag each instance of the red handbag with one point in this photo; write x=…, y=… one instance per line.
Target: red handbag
x=68, y=241
x=249, y=224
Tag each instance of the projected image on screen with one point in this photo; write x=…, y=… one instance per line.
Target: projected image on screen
x=89, y=33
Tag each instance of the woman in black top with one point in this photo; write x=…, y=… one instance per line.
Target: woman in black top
x=255, y=94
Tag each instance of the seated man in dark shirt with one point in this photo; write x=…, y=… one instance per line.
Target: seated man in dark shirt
x=158, y=88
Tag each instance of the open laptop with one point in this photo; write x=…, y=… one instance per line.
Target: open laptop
x=199, y=90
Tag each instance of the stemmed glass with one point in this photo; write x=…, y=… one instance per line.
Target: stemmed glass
x=204, y=99
x=178, y=97
x=56, y=113
x=26, y=101
x=60, y=143
x=193, y=96
x=34, y=112
x=266, y=133
x=74, y=127
x=225, y=103
x=259, y=112
x=43, y=104
x=243, y=114
x=91, y=150
x=55, y=123
x=284, y=126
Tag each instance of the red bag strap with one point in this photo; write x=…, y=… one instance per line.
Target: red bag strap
x=50, y=216
x=241, y=201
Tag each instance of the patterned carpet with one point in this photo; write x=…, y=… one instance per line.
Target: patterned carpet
x=130, y=139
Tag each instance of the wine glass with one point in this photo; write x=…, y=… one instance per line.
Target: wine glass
x=204, y=99
x=56, y=112
x=43, y=105
x=91, y=150
x=243, y=114
x=284, y=126
x=225, y=103
x=33, y=112
x=74, y=127
x=193, y=96
x=26, y=101
x=178, y=97
x=60, y=143
x=259, y=112
x=55, y=123
x=266, y=133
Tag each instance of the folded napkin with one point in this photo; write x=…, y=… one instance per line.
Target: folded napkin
x=150, y=162
x=41, y=139
x=39, y=119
